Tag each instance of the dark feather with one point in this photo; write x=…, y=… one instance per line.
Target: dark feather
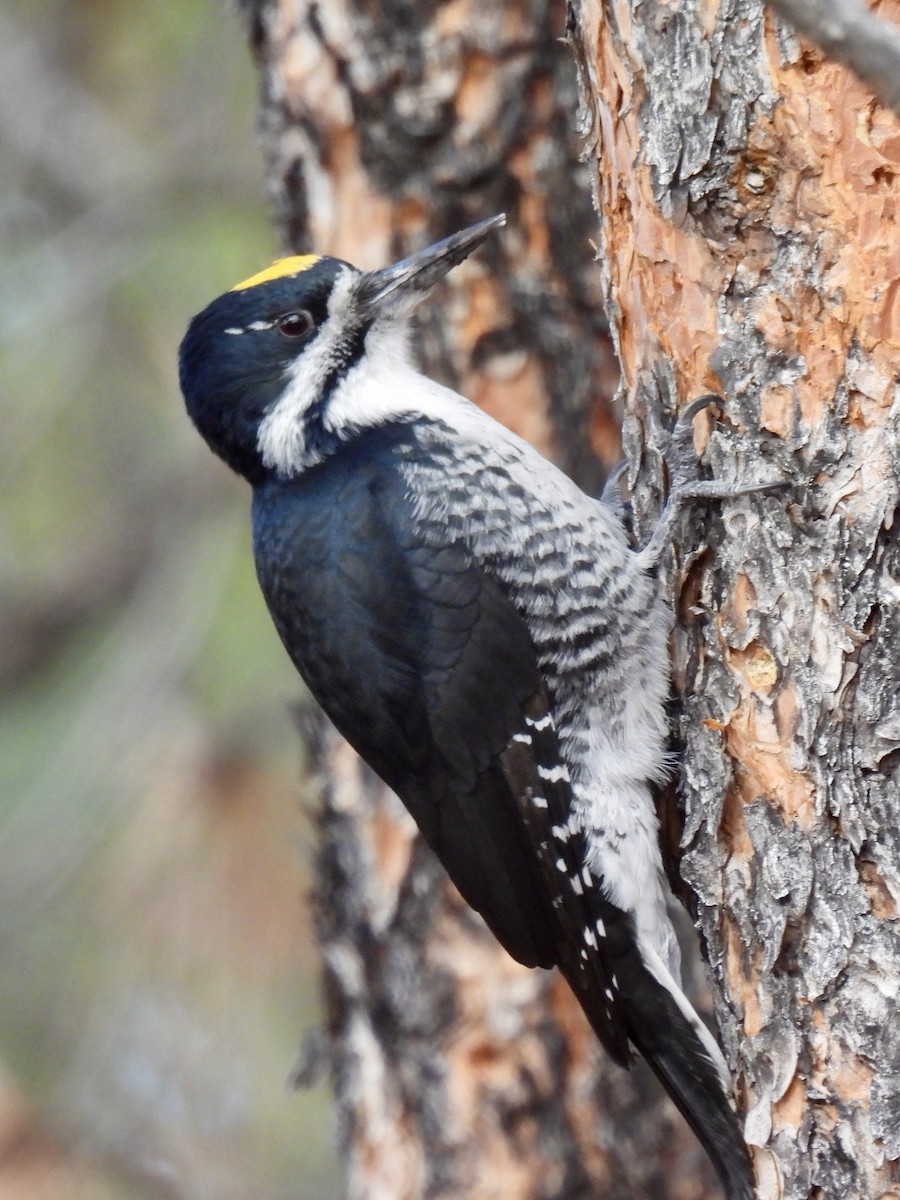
x=421, y=662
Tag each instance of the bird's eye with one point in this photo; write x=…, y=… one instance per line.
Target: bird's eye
x=294, y=324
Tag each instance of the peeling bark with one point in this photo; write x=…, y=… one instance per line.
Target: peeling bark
x=748, y=201
x=850, y=34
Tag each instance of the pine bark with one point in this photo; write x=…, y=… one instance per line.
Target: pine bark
x=748, y=201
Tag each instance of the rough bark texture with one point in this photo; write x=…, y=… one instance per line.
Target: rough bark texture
x=850, y=34
x=457, y=1072
x=748, y=199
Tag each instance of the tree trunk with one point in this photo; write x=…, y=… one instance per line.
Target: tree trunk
x=748, y=200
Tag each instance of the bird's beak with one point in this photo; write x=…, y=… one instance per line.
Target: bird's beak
x=398, y=288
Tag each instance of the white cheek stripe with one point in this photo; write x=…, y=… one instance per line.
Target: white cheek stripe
x=281, y=439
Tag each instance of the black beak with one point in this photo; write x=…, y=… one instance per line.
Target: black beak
x=398, y=288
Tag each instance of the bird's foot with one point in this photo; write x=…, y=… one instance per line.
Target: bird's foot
x=684, y=485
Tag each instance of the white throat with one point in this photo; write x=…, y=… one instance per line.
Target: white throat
x=383, y=386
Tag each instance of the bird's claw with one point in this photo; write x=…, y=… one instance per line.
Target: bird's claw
x=611, y=495
x=684, y=486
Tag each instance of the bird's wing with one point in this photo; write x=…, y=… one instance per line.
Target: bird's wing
x=423, y=663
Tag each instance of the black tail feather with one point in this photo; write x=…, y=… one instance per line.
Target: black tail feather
x=661, y=1031
x=693, y=1082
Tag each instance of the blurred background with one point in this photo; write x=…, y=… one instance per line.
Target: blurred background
x=157, y=969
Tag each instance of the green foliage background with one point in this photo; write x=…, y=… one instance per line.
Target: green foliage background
x=156, y=969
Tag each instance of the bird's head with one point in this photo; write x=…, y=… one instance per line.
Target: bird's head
x=262, y=366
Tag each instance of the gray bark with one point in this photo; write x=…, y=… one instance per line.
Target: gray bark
x=751, y=244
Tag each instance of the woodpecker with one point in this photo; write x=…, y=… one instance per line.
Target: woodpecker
x=480, y=631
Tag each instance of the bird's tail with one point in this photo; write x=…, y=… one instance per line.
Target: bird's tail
x=664, y=1028
x=682, y=1053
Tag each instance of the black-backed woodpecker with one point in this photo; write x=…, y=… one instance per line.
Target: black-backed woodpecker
x=479, y=629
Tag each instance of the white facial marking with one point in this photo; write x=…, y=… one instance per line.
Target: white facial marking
x=381, y=387
x=234, y=330
x=281, y=433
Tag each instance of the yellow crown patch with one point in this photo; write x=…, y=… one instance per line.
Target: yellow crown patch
x=280, y=268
